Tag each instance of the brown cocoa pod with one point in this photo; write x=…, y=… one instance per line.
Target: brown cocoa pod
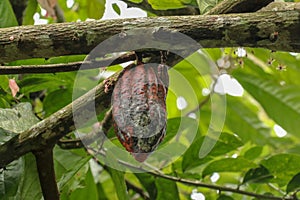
x=139, y=108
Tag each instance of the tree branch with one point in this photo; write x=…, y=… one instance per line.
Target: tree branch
x=238, y=6
x=67, y=67
x=158, y=173
x=138, y=190
x=47, y=132
x=45, y=167
x=232, y=30
x=99, y=129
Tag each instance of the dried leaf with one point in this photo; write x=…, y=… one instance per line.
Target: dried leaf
x=13, y=87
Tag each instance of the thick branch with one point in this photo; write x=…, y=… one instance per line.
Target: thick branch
x=45, y=166
x=47, y=132
x=232, y=30
x=238, y=6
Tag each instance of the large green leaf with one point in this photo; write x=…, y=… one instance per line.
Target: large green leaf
x=95, y=9
x=34, y=84
x=283, y=166
x=257, y=175
x=17, y=119
x=10, y=178
x=238, y=164
x=180, y=134
x=67, y=164
x=166, y=4
x=118, y=177
x=242, y=119
x=148, y=182
x=224, y=144
x=29, y=186
x=20, y=176
x=294, y=184
x=166, y=189
x=282, y=103
x=224, y=197
x=253, y=153
x=7, y=16
x=57, y=100
x=88, y=189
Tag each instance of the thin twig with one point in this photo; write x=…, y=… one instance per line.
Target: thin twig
x=138, y=190
x=67, y=67
x=160, y=174
x=205, y=100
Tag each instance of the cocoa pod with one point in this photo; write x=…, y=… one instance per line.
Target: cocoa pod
x=139, y=108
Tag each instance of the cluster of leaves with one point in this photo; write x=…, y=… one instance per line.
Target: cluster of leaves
x=248, y=154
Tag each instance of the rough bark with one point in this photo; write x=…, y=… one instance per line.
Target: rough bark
x=238, y=6
x=45, y=166
x=230, y=30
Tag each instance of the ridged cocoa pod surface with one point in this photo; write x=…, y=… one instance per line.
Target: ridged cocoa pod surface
x=139, y=108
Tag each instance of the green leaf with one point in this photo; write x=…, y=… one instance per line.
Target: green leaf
x=294, y=184
x=116, y=8
x=117, y=176
x=20, y=176
x=253, y=153
x=166, y=189
x=283, y=167
x=171, y=148
x=67, y=164
x=17, y=119
x=4, y=82
x=238, y=164
x=224, y=144
x=34, y=84
x=166, y=4
x=136, y=1
x=278, y=101
x=29, y=186
x=224, y=197
x=95, y=9
x=206, y=5
x=50, y=82
x=242, y=119
x=101, y=192
x=29, y=12
x=7, y=17
x=57, y=100
x=4, y=103
x=69, y=174
x=10, y=178
x=148, y=182
x=88, y=189
x=257, y=175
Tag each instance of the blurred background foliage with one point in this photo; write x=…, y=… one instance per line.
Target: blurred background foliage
x=258, y=149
